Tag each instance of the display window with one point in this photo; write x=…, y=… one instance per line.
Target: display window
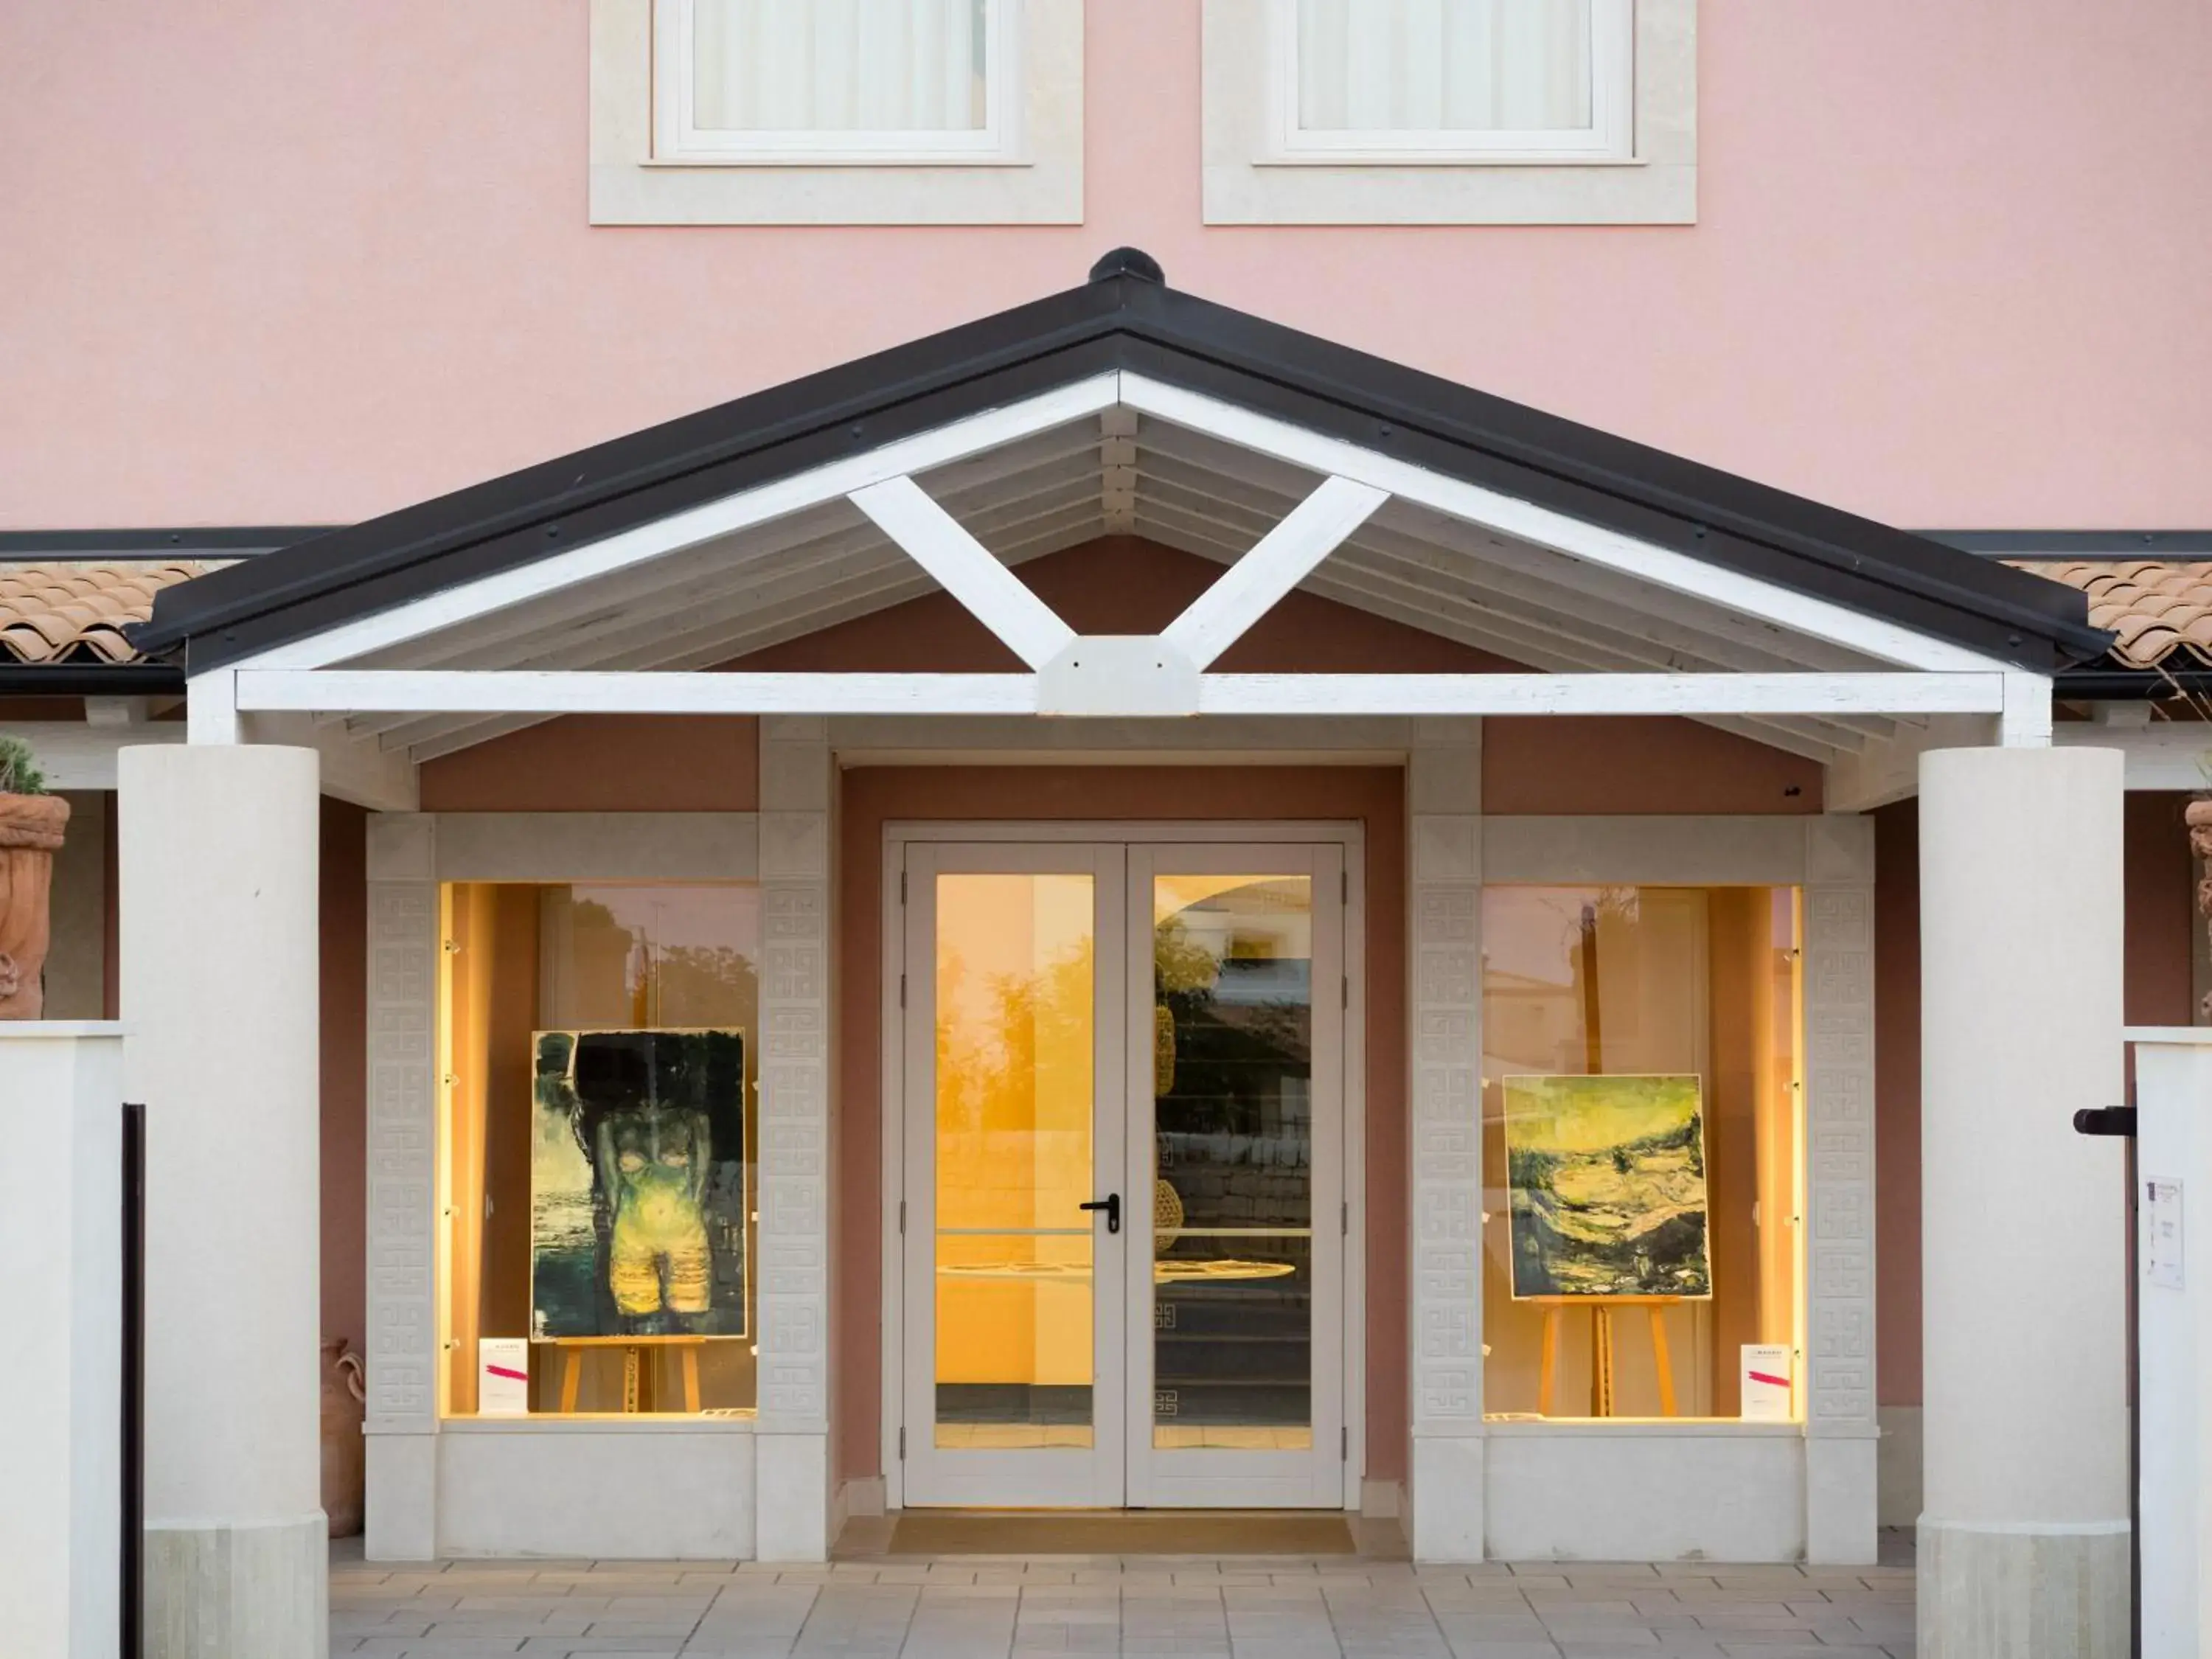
x=1642, y=1152
x=598, y=1047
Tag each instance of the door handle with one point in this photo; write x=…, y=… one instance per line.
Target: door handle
x=1112, y=1205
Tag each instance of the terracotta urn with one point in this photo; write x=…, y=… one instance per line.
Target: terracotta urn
x=345, y=1399
x=31, y=828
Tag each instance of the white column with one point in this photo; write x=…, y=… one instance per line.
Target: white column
x=401, y=1515
x=61, y=1189
x=1444, y=788
x=220, y=948
x=2024, y=1538
x=793, y=1500
x=1841, y=1434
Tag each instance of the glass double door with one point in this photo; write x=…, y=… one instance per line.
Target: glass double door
x=1121, y=1174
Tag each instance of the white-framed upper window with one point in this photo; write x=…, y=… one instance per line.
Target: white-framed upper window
x=837, y=82
x=1451, y=81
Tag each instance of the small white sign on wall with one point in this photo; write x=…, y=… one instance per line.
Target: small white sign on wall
x=1766, y=1383
x=503, y=1375
x=2161, y=1233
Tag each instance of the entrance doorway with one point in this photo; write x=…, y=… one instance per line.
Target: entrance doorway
x=1118, y=1175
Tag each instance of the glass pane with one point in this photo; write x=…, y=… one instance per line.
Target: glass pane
x=1641, y=1150
x=598, y=1147
x=840, y=65
x=1444, y=65
x=1016, y=1060
x=1233, y=1188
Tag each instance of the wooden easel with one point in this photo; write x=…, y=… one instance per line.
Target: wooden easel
x=1601, y=1347
x=572, y=1364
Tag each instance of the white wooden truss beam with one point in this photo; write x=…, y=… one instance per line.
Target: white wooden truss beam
x=575, y=691
x=966, y=569
x=1281, y=559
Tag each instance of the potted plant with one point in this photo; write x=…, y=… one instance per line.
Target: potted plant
x=32, y=822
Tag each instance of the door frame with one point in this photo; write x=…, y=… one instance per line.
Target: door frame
x=898, y=834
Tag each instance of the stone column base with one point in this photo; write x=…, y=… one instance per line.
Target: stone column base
x=1447, y=1498
x=244, y=1592
x=2053, y=1592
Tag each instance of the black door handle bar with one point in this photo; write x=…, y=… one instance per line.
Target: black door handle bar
x=1112, y=1205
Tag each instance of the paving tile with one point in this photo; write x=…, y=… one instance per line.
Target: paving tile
x=1170, y=1607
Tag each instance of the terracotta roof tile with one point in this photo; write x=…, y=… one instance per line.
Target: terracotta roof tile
x=2158, y=609
x=76, y=613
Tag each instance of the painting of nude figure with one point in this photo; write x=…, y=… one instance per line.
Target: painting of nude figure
x=637, y=1184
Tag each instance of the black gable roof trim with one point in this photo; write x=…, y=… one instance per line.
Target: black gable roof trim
x=1123, y=319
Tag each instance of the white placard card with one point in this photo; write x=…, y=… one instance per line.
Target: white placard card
x=503, y=1375
x=2161, y=1233
x=1766, y=1383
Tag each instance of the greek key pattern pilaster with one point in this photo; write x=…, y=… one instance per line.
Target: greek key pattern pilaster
x=403, y=982
x=1839, y=1071
x=1447, y=1111
x=795, y=1074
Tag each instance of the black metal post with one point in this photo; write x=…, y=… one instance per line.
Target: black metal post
x=2121, y=1120
x=132, y=1589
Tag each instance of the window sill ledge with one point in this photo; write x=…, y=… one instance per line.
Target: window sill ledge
x=1384, y=158
x=603, y=1422
x=841, y=163
x=1639, y=1428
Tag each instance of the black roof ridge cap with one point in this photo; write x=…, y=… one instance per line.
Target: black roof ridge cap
x=1836, y=555
x=161, y=631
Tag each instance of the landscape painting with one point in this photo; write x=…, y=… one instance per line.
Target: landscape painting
x=637, y=1184
x=1608, y=1180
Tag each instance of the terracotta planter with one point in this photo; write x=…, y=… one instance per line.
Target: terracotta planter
x=31, y=828
x=344, y=1395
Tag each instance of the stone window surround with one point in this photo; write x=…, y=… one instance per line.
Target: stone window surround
x=410, y=855
x=1242, y=187
x=1043, y=186
x=1455, y=850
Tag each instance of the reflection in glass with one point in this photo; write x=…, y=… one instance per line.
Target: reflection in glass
x=1232, y=1193
x=1016, y=1047
x=523, y=959
x=1654, y=983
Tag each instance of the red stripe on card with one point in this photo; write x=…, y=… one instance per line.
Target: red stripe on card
x=524, y=1377
x=1756, y=1377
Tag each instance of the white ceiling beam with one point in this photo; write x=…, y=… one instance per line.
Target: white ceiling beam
x=651, y=691
x=1277, y=563
x=1577, y=539
x=570, y=691
x=965, y=568
x=1599, y=694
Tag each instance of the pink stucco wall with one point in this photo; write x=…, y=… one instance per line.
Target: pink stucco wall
x=276, y=263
